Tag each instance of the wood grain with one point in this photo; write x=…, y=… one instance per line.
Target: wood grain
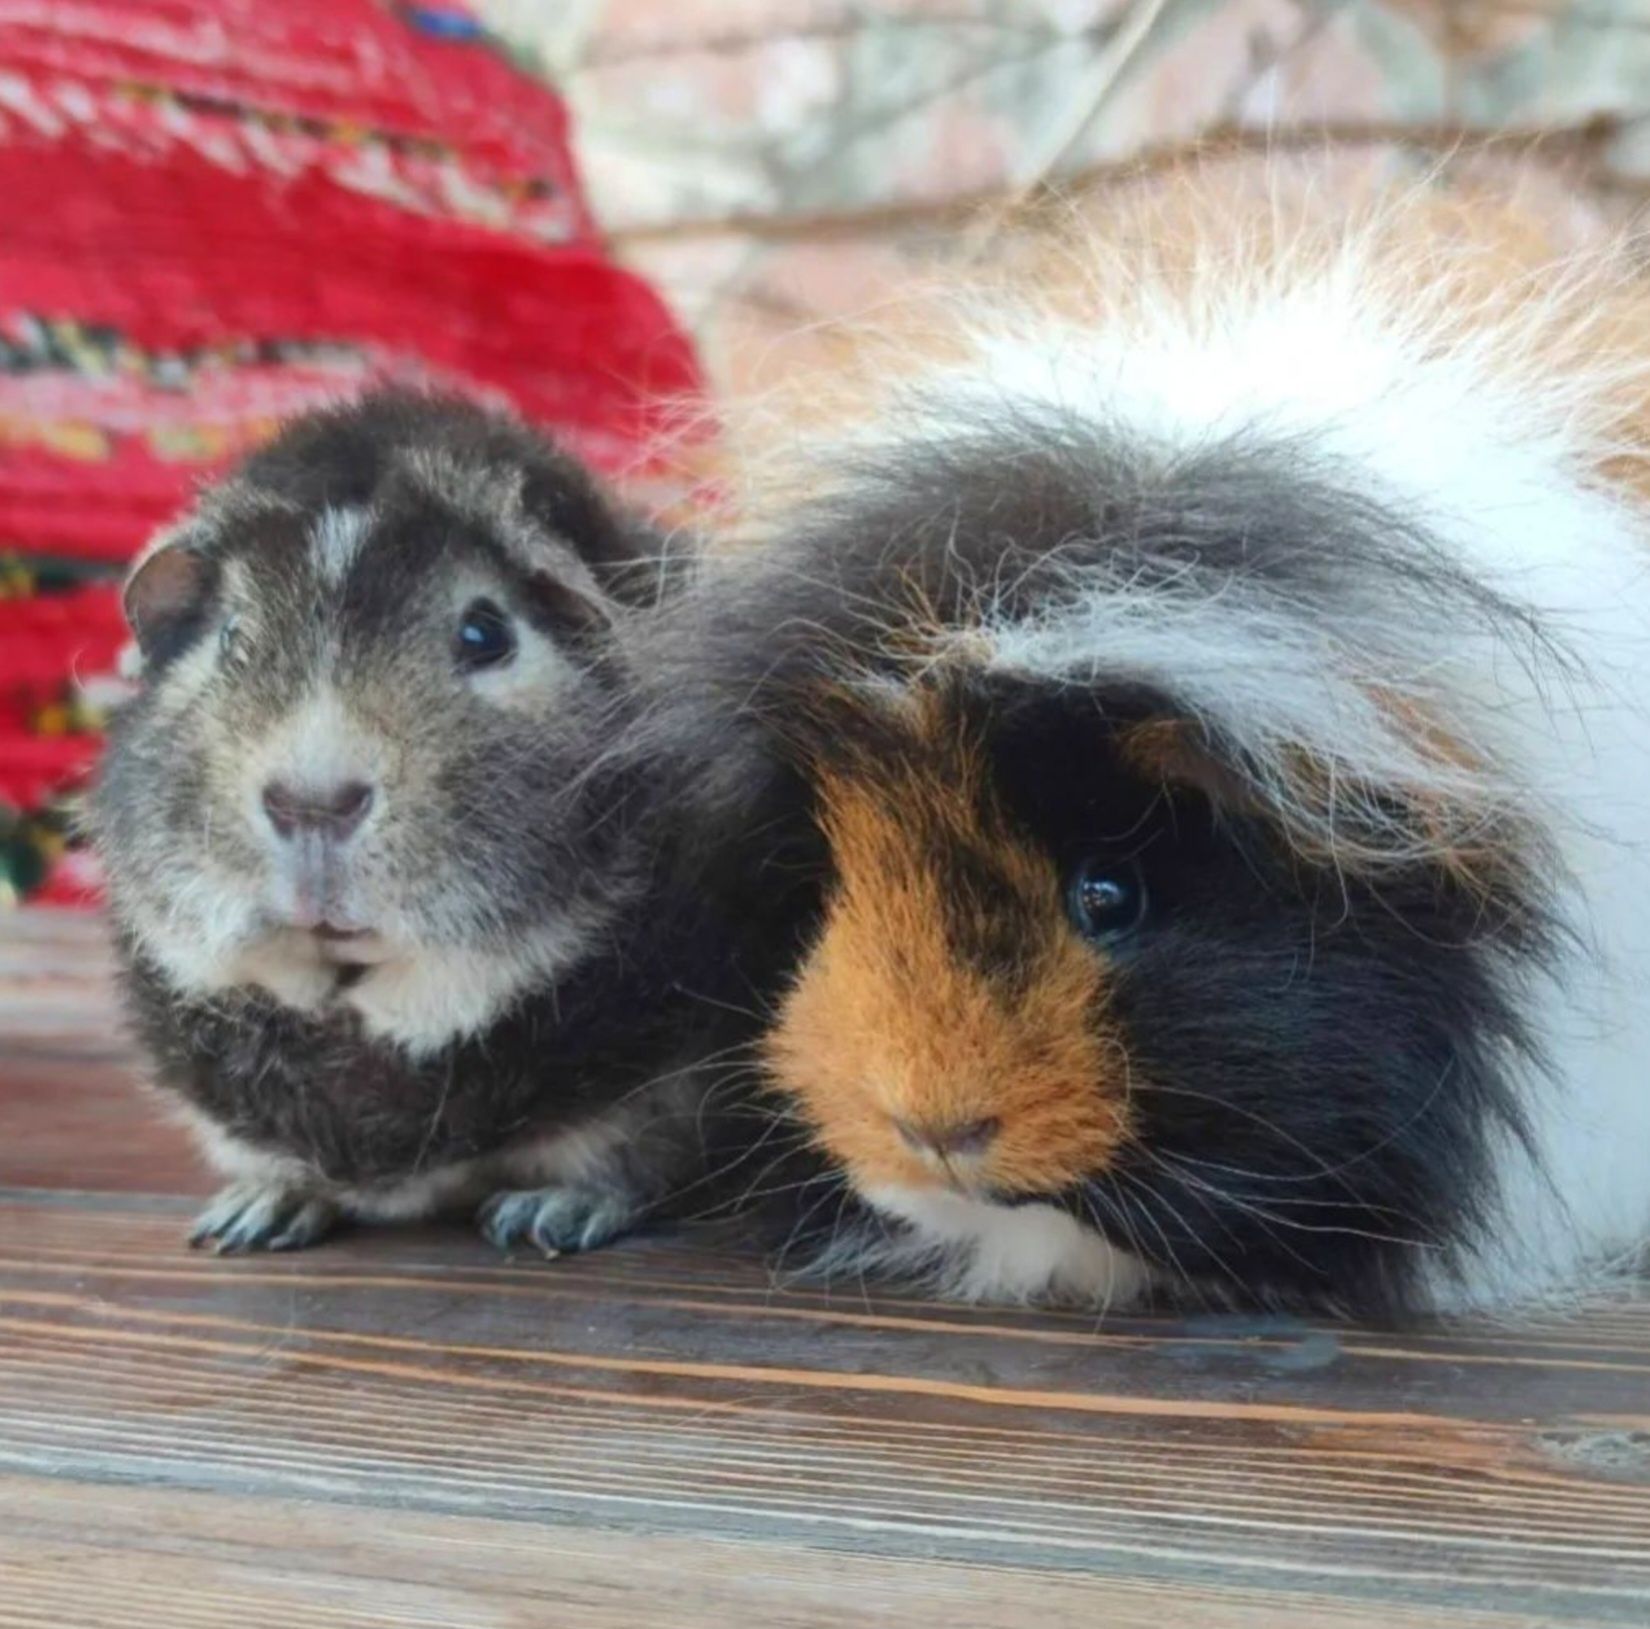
x=402, y=1428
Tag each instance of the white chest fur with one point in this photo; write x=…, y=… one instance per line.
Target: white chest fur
x=978, y=1251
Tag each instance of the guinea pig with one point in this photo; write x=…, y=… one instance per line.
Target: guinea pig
x=1213, y=645
x=397, y=916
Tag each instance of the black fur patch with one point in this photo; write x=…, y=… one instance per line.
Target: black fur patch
x=1320, y=1063
x=349, y=455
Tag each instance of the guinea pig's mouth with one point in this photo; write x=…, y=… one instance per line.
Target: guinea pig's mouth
x=331, y=942
x=350, y=947
x=958, y=1179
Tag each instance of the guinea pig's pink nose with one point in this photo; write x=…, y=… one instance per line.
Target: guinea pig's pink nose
x=960, y=1139
x=330, y=811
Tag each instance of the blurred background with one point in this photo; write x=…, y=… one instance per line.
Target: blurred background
x=218, y=212
x=767, y=162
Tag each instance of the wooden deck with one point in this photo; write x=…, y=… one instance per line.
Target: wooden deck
x=403, y=1429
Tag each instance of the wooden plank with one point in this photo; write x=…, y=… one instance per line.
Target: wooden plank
x=75, y=1123
x=112, y=1556
x=401, y=1428
x=682, y=1393
x=73, y=1113
x=56, y=979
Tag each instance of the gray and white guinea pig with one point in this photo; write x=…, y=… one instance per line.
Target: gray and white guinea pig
x=396, y=920
x=1214, y=651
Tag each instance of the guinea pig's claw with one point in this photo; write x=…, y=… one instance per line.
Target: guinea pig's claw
x=557, y=1220
x=250, y=1216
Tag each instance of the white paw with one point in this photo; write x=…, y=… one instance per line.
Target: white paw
x=263, y=1215
x=558, y=1219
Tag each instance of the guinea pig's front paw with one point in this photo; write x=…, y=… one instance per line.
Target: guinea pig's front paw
x=558, y=1219
x=263, y=1215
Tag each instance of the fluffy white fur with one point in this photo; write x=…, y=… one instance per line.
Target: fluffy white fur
x=336, y=538
x=434, y=995
x=970, y=1250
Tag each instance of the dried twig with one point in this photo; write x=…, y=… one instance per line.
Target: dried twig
x=1113, y=62
x=841, y=24
x=1586, y=140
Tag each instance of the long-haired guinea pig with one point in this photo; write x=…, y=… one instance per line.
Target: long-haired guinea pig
x=1217, y=651
x=398, y=919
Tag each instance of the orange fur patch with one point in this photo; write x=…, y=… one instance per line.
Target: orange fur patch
x=1170, y=751
x=887, y=1022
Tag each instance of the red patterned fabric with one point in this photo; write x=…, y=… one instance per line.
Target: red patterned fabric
x=219, y=212
x=48, y=646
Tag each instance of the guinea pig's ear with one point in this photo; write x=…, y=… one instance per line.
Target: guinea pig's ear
x=620, y=549
x=573, y=606
x=1474, y=844
x=167, y=598
x=1175, y=752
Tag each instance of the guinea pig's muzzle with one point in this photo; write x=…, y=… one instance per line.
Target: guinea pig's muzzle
x=314, y=829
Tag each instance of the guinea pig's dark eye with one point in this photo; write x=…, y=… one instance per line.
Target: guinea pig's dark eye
x=1106, y=899
x=485, y=637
